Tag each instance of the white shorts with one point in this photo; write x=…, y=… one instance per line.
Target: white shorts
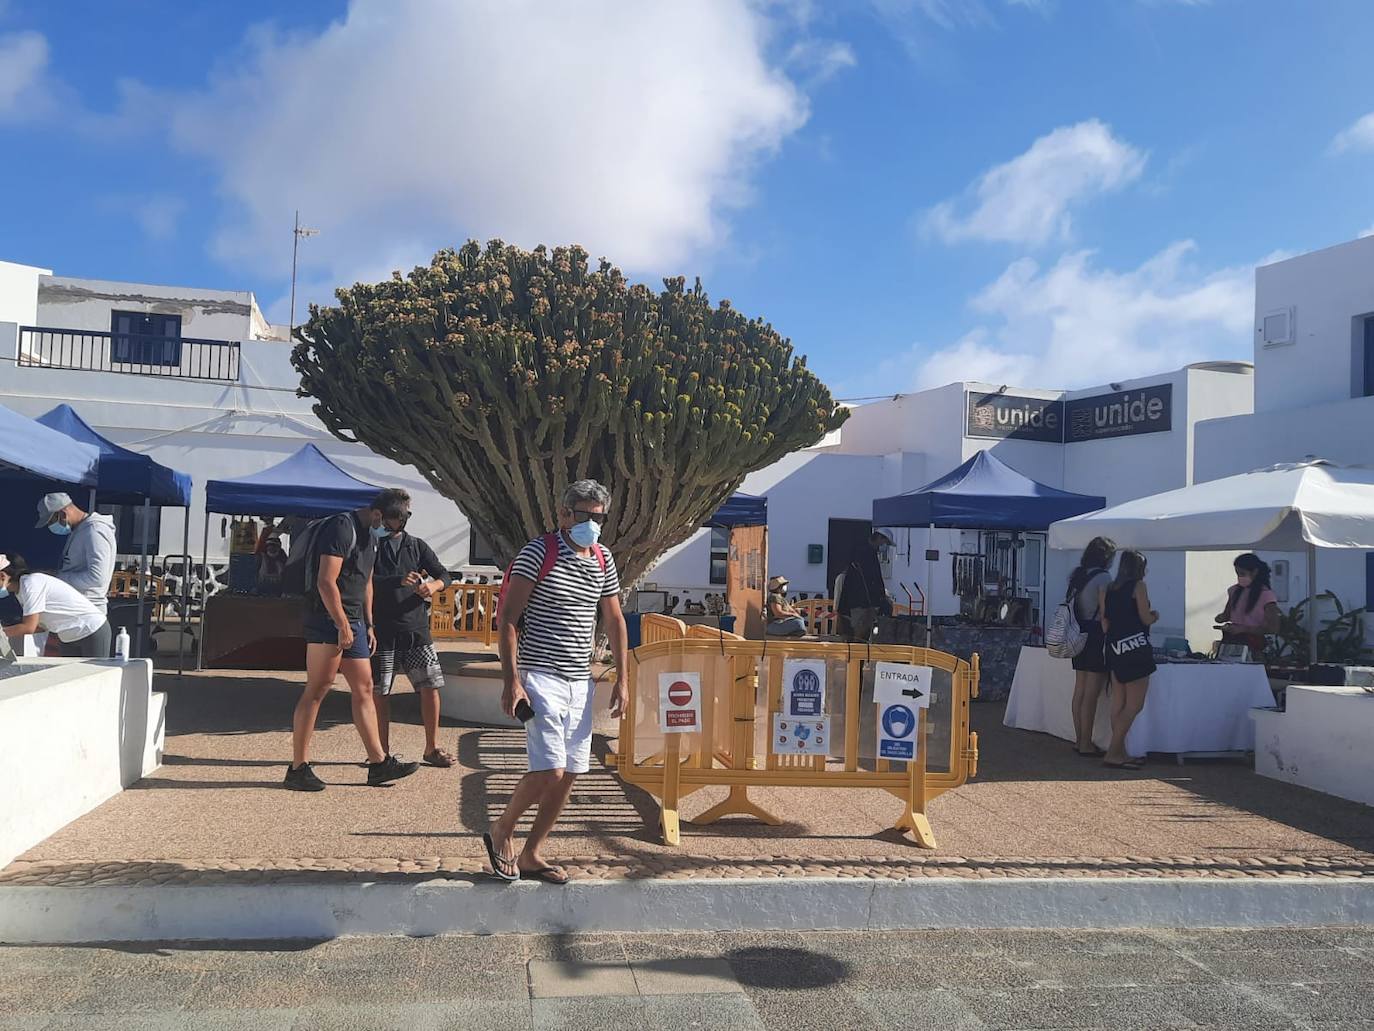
x=559, y=734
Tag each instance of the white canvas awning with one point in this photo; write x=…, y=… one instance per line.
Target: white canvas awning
x=1283, y=508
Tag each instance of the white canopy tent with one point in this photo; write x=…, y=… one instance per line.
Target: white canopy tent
x=1299, y=506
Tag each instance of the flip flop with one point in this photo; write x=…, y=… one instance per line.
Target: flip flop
x=547, y=874
x=504, y=869
x=1129, y=764
x=439, y=757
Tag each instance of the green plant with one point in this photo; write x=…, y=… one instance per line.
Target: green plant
x=1339, y=640
x=503, y=374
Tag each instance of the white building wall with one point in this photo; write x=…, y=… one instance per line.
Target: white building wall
x=67, y=303
x=1329, y=291
x=19, y=292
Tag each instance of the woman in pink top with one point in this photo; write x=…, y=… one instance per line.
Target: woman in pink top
x=1252, y=608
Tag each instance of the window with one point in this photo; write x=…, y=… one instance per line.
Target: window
x=720, y=554
x=128, y=521
x=480, y=551
x=145, y=339
x=1369, y=356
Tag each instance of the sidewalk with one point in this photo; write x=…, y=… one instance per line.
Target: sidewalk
x=216, y=814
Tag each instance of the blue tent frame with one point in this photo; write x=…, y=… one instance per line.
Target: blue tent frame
x=983, y=494
x=126, y=477
x=740, y=510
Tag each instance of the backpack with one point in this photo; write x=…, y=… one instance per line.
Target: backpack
x=1064, y=638
x=545, y=567
x=302, y=567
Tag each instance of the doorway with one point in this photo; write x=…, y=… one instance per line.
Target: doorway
x=844, y=538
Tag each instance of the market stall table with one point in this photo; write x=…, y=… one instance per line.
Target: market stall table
x=1190, y=708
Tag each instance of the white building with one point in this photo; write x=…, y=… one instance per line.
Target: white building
x=202, y=383
x=1314, y=393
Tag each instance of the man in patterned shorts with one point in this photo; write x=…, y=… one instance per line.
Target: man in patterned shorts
x=406, y=576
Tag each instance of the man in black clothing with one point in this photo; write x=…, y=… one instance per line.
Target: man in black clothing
x=865, y=592
x=407, y=575
x=339, y=637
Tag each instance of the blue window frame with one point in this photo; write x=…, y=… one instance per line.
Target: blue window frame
x=139, y=338
x=1369, y=356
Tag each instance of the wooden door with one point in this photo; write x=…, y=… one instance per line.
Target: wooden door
x=747, y=575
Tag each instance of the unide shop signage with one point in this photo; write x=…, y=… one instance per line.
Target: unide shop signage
x=1016, y=417
x=1123, y=414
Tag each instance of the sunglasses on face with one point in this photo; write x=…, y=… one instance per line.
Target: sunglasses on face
x=596, y=517
x=397, y=523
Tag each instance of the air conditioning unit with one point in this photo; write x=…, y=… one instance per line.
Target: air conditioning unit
x=1276, y=327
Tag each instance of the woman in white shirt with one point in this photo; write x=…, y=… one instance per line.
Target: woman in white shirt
x=51, y=605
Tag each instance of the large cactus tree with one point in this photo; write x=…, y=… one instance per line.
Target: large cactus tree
x=502, y=375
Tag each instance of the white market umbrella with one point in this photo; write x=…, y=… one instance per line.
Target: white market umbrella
x=1297, y=506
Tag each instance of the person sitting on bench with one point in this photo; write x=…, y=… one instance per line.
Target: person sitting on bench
x=783, y=619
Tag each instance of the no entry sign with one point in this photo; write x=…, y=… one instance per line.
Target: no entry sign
x=679, y=702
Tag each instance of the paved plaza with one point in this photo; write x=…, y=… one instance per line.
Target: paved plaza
x=216, y=813
x=946, y=980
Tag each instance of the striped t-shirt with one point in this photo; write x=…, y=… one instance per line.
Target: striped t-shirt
x=560, y=620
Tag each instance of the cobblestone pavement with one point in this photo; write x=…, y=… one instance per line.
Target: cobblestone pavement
x=1311, y=978
x=215, y=813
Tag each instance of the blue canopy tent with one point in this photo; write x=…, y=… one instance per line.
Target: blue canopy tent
x=306, y=484
x=33, y=461
x=128, y=478
x=982, y=494
x=740, y=510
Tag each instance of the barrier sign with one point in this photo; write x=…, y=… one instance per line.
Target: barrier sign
x=799, y=737
x=896, y=682
x=803, y=688
x=897, y=731
x=679, y=703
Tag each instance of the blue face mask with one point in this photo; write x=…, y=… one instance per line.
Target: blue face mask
x=61, y=529
x=381, y=532
x=4, y=592
x=584, y=535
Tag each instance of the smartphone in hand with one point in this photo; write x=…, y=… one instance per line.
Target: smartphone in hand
x=524, y=712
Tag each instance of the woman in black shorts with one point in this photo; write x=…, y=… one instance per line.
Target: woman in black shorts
x=1087, y=585
x=1126, y=621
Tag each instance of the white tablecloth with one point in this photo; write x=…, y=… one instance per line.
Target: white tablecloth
x=1203, y=707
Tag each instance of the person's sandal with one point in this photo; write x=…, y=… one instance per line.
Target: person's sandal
x=440, y=757
x=502, y=866
x=547, y=874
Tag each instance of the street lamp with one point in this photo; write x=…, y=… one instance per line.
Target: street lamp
x=296, y=235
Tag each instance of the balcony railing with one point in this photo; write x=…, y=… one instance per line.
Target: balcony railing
x=136, y=354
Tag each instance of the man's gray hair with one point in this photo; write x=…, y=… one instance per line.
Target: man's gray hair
x=586, y=490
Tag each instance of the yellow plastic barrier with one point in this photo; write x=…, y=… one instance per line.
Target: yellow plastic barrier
x=726, y=752
x=465, y=612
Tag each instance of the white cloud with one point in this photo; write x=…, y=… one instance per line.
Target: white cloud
x=23, y=65
x=158, y=216
x=819, y=60
x=1366, y=232
x=1074, y=324
x=1028, y=200
x=628, y=128
x=1357, y=136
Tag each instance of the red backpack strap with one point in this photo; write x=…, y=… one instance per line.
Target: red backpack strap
x=550, y=554
x=600, y=556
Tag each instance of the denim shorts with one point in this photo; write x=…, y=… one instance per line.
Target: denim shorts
x=323, y=631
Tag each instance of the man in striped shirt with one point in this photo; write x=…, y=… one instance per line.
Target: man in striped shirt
x=548, y=625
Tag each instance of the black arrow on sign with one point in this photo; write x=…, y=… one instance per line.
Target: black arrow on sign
x=912, y=693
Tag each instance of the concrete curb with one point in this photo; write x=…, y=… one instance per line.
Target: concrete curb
x=47, y=915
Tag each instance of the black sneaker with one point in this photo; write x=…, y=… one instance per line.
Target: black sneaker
x=302, y=778
x=389, y=769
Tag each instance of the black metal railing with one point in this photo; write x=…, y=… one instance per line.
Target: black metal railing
x=138, y=354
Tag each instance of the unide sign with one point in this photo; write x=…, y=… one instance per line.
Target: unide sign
x=1125, y=414
x=1016, y=417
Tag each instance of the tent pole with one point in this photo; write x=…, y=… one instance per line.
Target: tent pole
x=1312, y=604
x=90, y=501
x=204, y=597
x=185, y=587
x=930, y=589
x=142, y=575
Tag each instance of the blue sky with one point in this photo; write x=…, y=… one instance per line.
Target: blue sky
x=1049, y=193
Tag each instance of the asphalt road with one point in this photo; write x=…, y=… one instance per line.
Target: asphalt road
x=1278, y=978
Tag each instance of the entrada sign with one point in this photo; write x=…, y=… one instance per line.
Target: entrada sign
x=1016, y=417
x=1124, y=414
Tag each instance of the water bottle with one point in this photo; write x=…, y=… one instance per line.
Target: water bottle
x=122, y=645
